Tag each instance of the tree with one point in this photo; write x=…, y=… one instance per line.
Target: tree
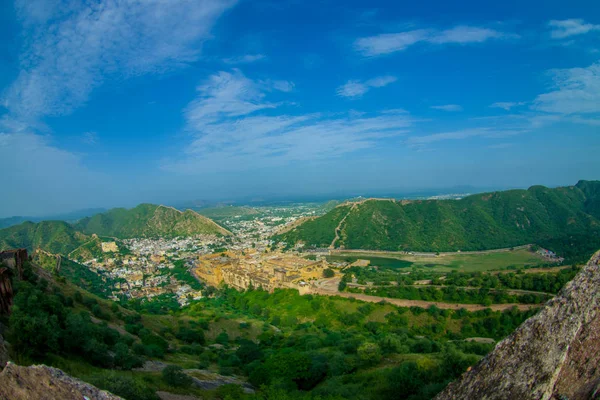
x=222, y=338
x=328, y=273
x=369, y=353
x=174, y=376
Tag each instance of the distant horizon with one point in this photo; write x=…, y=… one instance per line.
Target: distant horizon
x=256, y=201
x=117, y=103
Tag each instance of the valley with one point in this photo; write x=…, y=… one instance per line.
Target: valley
x=241, y=313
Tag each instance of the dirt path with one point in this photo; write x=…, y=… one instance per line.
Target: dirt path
x=338, y=228
x=423, y=254
x=328, y=287
x=422, y=303
x=492, y=290
x=532, y=270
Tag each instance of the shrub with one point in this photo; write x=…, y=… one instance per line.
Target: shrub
x=369, y=353
x=173, y=375
x=124, y=386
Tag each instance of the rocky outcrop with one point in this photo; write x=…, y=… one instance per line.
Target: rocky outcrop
x=3, y=353
x=553, y=355
x=40, y=382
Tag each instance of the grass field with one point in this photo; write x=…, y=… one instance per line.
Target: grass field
x=463, y=262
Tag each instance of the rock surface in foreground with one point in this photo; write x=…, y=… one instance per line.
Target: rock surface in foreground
x=553, y=355
x=40, y=382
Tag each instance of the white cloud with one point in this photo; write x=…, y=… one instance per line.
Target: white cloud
x=90, y=138
x=576, y=91
x=72, y=48
x=389, y=42
x=381, y=81
x=245, y=59
x=226, y=95
x=462, y=134
x=392, y=42
x=507, y=105
x=561, y=29
x=466, y=34
x=281, y=85
x=448, y=107
x=233, y=125
x=354, y=89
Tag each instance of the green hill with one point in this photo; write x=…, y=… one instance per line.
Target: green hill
x=568, y=215
x=145, y=220
x=148, y=220
x=53, y=236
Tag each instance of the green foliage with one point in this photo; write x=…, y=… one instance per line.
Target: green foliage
x=173, y=375
x=123, y=386
x=222, y=338
x=191, y=335
x=57, y=237
x=328, y=273
x=452, y=294
x=148, y=220
x=230, y=392
x=319, y=232
x=41, y=323
x=369, y=353
x=560, y=219
x=181, y=272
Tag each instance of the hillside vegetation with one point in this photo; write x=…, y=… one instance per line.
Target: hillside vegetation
x=57, y=237
x=148, y=220
x=145, y=220
x=286, y=345
x=564, y=218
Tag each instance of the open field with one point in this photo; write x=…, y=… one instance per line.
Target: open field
x=447, y=262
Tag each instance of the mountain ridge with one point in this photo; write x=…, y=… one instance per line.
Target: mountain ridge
x=478, y=222
x=145, y=220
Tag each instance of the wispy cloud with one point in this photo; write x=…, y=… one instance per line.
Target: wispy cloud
x=561, y=29
x=507, y=105
x=90, y=138
x=245, y=59
x=462, y=134
x=467, y=34
x=389, y=42
x=575, y=91
x=448, y=107
x=354, y=89
x=392, y=42
x=232, y=124
x=73, y=48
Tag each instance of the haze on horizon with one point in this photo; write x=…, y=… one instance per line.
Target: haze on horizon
x=114, y=103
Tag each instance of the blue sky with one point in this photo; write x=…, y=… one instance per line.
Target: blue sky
x=118, y=102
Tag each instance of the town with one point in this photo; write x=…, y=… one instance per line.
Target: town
x=144, y=268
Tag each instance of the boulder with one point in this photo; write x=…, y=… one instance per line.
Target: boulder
x=40, y=382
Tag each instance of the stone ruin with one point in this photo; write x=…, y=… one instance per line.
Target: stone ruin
x=11, y=264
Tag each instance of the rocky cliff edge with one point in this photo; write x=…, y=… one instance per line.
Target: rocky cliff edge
x=553, y=355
